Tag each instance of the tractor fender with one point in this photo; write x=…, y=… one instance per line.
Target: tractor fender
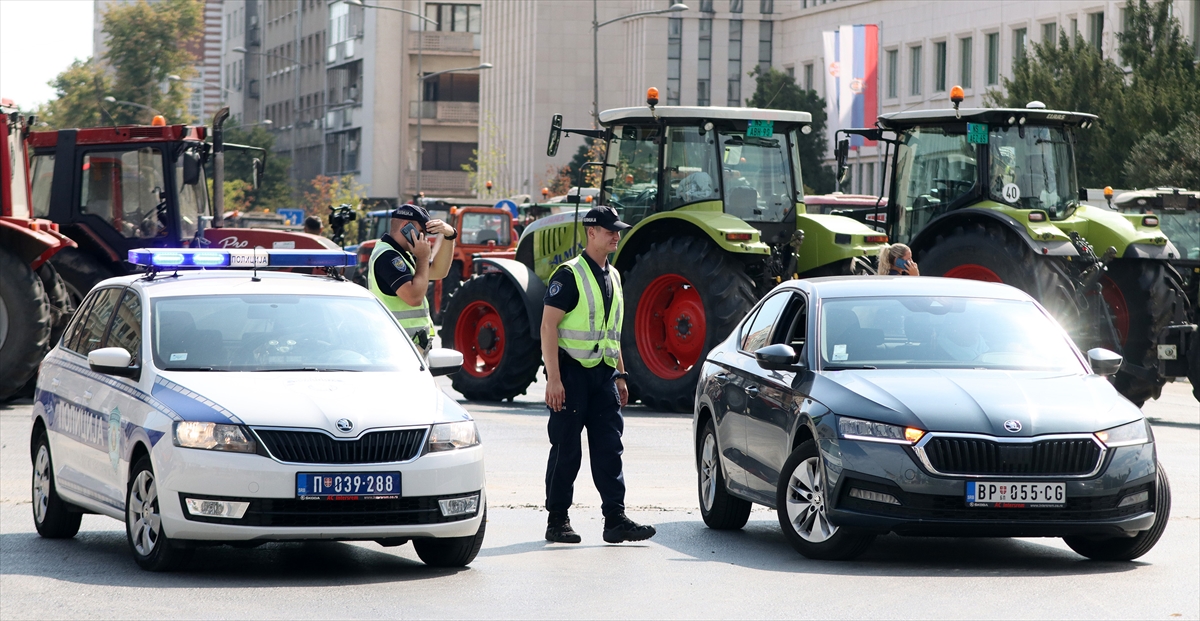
x=525, y=280
x=714, y=225
x=33, y=241
x=1052, y=242
x=829, y=239
x=1128, y=233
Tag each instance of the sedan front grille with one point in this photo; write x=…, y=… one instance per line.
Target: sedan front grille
x=978, y=456
x=314, y=447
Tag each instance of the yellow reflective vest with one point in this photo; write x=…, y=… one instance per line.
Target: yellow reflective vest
x=412, y=318
x=583, y=332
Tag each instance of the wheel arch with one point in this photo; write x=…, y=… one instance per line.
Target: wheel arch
x=687, y=224
x=519, y=275
x=138, y=451
x=703, y=415
x=39, y=427
x=803, y=434
x=927, y=237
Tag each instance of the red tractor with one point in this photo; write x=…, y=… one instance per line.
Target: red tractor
x=34, y=304
x=113, y=189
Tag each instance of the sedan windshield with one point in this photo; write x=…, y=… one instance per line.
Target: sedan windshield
x=278, y=333
x=928, y=332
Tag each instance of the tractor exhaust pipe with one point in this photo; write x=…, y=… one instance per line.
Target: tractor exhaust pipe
x=219, y=167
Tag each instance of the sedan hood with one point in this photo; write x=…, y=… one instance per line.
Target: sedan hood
x=311, y=400
x=977, y=401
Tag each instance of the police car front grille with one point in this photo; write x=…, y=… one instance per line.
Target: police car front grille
x=313, y=447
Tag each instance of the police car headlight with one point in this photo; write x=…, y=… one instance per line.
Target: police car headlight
x=450, y=436
x=213, y=436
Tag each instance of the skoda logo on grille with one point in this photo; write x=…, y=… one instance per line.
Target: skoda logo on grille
x=344, y=425
x=1010, y=425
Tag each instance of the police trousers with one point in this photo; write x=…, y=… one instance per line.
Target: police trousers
x=591, y=403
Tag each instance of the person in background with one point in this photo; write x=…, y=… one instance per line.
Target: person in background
x=897, y=260
x=312, y=225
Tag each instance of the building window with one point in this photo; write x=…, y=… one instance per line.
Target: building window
x=914, y=67
x=1074, y=29
x=454, y=17
x=1050, y=34
x=447, y=155
x=1096, y=30
x=341, y=152
x=1020, y=38
x=345, y=23
x=808, y=76
x=453, y=87
x=993, y=58
x=868, y=179
x=893, y=81
x=734, y=96
x=965, y=60
x=735, y=6
x=766, y=7
x=704, y=64
x=674, y=58
x=1196, y=27
x=939, y=66
x=765, y=34
x=706, y=6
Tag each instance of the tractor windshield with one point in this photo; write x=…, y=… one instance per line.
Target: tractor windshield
x=935, y=166
x=481, y=228
x=758, y=176
x=1033, y=168
x=193, y=201
x=631, y=178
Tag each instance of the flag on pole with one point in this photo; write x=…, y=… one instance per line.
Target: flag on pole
x=851, y=80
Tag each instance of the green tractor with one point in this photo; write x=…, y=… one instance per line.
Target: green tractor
x=716, y=203
x=991, y=194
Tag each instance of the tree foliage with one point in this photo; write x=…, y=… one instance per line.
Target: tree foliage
x=1171, y=159
x=779, y=91
x=274, y=190
x=79, y=93
x=325, y=192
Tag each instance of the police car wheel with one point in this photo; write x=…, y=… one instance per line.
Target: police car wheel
x=52, y=516
x=452, y=551
x=151, y=547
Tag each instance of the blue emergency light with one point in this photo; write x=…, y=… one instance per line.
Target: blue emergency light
x=196, y=258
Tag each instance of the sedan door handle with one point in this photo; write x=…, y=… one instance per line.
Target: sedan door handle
x=752, y=391
x=721, y=377
x=55, y=382
x=87, y=394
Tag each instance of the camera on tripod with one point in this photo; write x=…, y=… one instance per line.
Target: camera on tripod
x=339, y=217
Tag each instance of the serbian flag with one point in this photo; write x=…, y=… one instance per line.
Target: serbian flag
x=852, y=80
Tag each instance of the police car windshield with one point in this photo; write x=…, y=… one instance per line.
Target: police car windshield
x=276, y=333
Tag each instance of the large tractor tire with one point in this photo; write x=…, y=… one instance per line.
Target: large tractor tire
x=486, y=320
x=25, y=324
x=79, y=271
x=61, y=305
x=1194, y=364
x=682, y=297
x=1138, y=294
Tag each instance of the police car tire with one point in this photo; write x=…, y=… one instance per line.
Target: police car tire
x=79, y=271
x=522, y=353
x=166, y=554
x=1146, y=286
x=726, y=292
x=728, y=512
x=59, y=520
x=452, y=551
x=29, y=323
x=1129, y=548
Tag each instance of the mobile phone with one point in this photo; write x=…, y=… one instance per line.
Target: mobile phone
x=901, y=264
x=410, y=233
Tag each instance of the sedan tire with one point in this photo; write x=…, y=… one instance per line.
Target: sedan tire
x=51, y=515
x=452, y=551
x=803, y=515
x=1129, y=548
x=151, y=547
x=720, y=509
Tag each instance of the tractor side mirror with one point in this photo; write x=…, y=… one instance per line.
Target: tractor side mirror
x=256, y=172
x=191, y=167
x=841, y=152
x=555, y=135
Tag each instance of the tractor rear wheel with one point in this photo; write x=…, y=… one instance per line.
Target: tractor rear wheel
x=61, y=306
x=25, y=324
x=79, y=271
x=684, y=295
x=1138, y=293
x=486, y=320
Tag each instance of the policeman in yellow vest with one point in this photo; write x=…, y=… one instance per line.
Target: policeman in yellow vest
x=400, y=268
x=581, y=347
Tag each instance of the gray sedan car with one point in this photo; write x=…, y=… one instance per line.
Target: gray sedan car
x=922, y=406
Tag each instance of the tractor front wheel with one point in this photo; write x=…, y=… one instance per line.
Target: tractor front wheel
x=486, y=320
x=682, y=297
x=1138, y=293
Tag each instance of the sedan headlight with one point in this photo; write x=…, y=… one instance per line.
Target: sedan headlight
x=1129, y=434
x=213, y=436
x=857, y=429
x=450, y=436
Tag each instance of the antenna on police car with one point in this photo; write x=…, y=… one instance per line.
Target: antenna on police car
x=254, y=277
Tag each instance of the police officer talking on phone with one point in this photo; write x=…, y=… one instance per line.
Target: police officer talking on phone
x=581, y=347
x=416, y=250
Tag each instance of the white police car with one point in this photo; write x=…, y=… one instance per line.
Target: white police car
x=235, y=406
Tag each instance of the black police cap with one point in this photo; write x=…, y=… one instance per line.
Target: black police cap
x=605, y=216
x=409, y=211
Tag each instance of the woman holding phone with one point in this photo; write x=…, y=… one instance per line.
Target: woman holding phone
x=897, y=260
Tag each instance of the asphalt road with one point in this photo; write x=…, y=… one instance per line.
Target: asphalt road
x=686, y=571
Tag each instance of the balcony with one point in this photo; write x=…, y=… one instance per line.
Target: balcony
x=445, y=112
x=445, y=42
x=433, y=182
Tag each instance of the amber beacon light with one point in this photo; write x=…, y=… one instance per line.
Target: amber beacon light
x=652, y=96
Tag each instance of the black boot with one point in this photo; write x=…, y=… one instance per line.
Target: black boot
x=558, y=529
x=618, y=528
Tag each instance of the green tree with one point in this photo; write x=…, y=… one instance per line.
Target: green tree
x=779, y=90
x=489, y=165
x=79, y=93
x=273, y=190
x=1172, y=159
x=1165, y=83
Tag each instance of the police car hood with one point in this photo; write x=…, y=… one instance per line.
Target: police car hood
x=309, y=400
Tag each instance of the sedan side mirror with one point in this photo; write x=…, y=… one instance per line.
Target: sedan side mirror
x=113, y=361
x=444, y=361
x=778, y=357
x=1104, y=362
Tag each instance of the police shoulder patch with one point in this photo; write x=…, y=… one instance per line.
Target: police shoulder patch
x=555, y=288
x=399, y=264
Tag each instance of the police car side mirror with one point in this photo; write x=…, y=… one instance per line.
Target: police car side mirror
x=113, y=361
x=1104, y=362
x=444, y=361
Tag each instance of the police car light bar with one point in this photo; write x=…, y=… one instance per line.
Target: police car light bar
x=170, y=258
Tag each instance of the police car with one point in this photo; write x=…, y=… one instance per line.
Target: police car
x=215, y=405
